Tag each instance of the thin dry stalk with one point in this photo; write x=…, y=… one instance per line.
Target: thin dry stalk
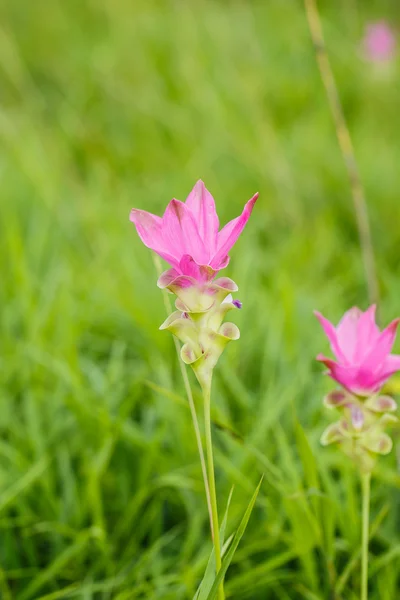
x=346, y=147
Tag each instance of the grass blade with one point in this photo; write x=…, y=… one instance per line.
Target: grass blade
x=235, y=543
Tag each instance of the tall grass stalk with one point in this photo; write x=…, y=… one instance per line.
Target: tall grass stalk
x=346, y=147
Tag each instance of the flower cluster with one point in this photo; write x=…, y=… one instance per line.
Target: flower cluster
x=363, y=365
x=188, y=238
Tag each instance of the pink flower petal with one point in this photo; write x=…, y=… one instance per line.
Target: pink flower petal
x=347, y=332
x=149, y=228
x=367, y=333
x=328, y=362
x=390, y=365
x=202, y=206
x=366, y=362
x=188, y=234
x=382, y=347
x=229, y=235
x=180, y=233
x=199, y=272
x=331, y=334
x=352, y=378
x=224, y=263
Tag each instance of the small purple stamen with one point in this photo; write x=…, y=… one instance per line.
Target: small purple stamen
x=185, y=315
x=237, y=303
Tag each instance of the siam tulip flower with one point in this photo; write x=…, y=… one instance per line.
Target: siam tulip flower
x=364, y=364
x=363, y=360
x=379, y=42
x=187, y=237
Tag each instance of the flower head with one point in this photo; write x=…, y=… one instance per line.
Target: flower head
x=379, y=43
x=363, y=360
x=187, y=235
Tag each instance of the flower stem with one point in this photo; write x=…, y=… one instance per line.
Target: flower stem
x=366, y=488
x=211, y=482
x=167, y=303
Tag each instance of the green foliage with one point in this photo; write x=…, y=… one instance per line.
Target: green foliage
x=229, y=554
x=112, y=104
x=209, y=575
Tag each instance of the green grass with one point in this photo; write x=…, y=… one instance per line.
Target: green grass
x=112, y=104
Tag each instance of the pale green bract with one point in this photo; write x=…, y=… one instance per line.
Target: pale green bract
x=198, y=324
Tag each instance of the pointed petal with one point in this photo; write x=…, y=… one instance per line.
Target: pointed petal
x=202, y=206
x=347, y=333
x=389, y=367
x=149, y=228
x=354, y=379
x=229, y=235
x=392, y=363
x=180, y=233
x=382, y=347
x=224, y=262
x=328, y=362
x=331, y=334
x=367, y=332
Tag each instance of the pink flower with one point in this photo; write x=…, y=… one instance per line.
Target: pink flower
x=187, y=235
x=363, y=360
x=379, y=42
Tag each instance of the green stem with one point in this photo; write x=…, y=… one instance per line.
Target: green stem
x=366, y=489
x=167, y=303
x=211, y=482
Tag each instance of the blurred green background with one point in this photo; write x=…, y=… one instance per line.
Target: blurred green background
x=110, y=104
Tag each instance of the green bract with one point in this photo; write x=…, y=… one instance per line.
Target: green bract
x=198, y=324
x=360, y=433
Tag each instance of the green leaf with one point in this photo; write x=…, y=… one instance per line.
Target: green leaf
x=307, y=458
x=209, y=575
x=310, y=469
x=53, y=570
x=235, y=543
